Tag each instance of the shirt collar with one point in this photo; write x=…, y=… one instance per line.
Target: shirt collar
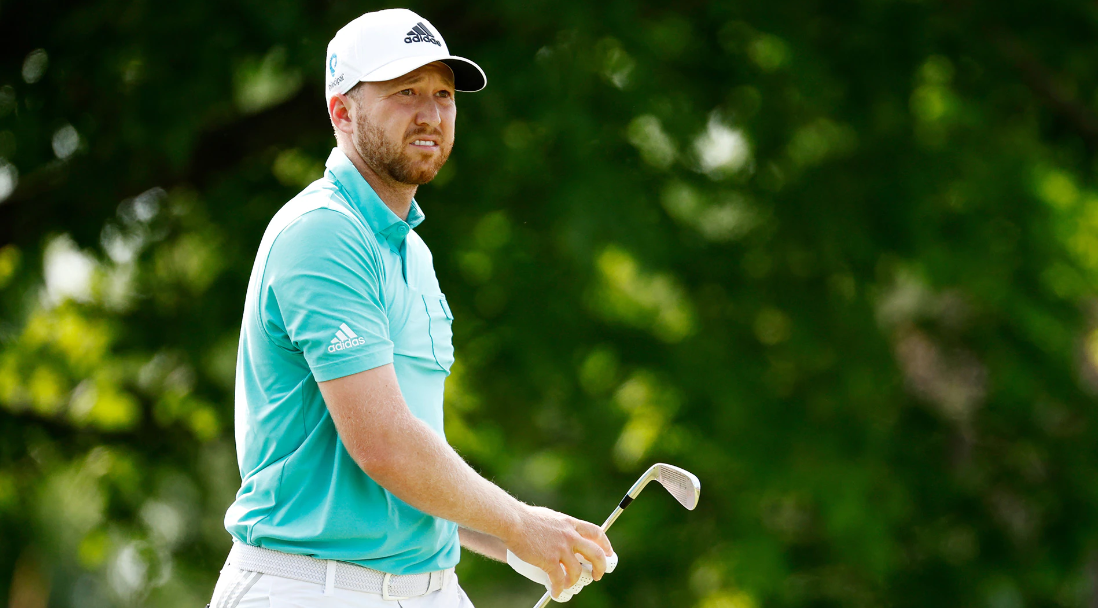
x=363, y=198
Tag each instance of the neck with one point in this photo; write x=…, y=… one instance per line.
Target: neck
x=396, y=196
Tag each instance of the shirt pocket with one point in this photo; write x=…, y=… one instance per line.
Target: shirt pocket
x=440, y=328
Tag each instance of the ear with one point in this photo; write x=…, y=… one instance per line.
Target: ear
x=339, y=111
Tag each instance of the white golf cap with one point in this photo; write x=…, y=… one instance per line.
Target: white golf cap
x=388, y=44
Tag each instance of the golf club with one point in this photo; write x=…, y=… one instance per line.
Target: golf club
x=680, y=483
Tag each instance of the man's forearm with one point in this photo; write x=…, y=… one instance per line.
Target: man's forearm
x=405, y=456
x=485, y=544
x=421, y=469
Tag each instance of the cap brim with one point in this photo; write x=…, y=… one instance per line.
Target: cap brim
x=468, y=77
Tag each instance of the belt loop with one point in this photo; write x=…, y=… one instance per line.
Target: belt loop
x=330, y=578
x=385, y=595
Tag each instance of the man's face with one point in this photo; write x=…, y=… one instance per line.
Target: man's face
x=404, y=128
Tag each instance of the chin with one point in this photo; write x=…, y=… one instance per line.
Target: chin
x=419, y=173
x=420, y=179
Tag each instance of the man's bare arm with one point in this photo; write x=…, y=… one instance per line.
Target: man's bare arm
x=485, y=544
x=409, y=459
x=405, y=456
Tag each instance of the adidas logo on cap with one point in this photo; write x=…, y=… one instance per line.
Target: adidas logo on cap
x=345, y=338
x=420, y=33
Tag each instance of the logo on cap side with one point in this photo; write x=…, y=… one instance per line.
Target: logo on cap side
x=332, y=65
x=420, y=33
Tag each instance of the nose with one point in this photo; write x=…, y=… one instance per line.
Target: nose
x=428, y=114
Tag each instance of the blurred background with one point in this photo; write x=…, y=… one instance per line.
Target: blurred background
x=839, y=259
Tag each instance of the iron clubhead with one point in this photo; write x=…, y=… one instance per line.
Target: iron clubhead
x=680, y=483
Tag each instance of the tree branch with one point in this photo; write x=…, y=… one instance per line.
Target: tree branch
x=1040, y=79
x=40, y=197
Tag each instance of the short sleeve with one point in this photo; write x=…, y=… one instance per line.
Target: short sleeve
x=323, y=289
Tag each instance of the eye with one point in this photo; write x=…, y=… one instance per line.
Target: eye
x=407, y=92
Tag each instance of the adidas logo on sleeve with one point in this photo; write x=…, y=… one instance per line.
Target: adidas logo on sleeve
x=344, y=339
x=420, y=33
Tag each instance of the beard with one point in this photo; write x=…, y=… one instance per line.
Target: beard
x=392, y=159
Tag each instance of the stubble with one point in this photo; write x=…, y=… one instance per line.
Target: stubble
x=392, y=160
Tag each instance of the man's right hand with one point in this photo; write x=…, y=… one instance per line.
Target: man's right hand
x=550, y=540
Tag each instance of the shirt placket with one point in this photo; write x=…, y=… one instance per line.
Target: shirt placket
x=397, y=236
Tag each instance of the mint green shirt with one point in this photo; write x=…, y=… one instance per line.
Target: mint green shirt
x=340, y=285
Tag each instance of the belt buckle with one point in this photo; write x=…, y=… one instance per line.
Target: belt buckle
x=385, y=589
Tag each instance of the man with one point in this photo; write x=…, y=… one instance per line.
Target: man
x=350, y=495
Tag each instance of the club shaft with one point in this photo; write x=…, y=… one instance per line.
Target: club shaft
x=613, y=518
x=543, y=601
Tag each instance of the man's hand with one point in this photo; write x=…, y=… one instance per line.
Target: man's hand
x=550, y=540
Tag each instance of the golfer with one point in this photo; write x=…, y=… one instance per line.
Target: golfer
x=350, y=495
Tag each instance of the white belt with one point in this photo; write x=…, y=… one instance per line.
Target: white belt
x=331, y=573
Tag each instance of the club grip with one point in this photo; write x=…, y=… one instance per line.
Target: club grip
x=526, y=569
x=538, y=575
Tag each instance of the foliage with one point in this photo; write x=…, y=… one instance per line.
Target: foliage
x=835, y=258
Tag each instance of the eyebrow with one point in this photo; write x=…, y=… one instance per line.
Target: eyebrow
x=420, y=78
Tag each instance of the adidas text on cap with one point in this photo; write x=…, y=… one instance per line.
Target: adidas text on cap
x=388, y=44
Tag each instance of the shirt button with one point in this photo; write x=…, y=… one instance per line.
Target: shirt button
x=402, y=230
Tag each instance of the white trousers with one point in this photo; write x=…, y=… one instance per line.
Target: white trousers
x=242, y=589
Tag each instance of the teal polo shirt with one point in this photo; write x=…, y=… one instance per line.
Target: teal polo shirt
x=340, y=285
